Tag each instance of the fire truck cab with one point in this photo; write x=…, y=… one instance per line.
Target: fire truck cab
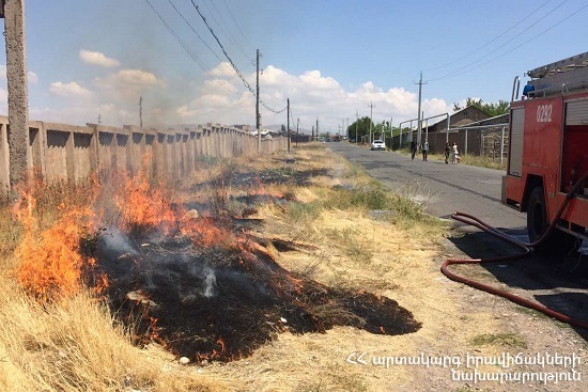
x=548, y=151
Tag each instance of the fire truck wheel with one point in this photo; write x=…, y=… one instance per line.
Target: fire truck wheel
x=537, y=223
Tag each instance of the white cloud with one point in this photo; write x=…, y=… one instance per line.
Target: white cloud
x=224, y=99
x=97, y=58
x=129, y=81
x=312, y=95
x=71, y=89
x=33, y=78
x=223, y=69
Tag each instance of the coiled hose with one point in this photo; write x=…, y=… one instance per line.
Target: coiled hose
x=527, y=249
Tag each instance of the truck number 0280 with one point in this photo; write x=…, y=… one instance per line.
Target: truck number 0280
x=544, y=113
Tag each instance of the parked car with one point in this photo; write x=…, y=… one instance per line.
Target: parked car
x=378, y=145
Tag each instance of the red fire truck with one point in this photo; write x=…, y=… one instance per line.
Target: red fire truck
x=548, y=152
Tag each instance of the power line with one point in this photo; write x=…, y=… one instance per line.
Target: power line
x=233, y=65
x=492, y=40
x=457, y=71
x=245, y=82
x=194, y=30
x=238, y=25
x=185, y=46
x=230, y=35
x=516, y=47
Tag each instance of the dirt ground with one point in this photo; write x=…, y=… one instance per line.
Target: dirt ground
x=466, y=337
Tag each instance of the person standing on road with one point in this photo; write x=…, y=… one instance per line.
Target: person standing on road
x=425, y=150
x=413, y=149
x=455, y=156
x=447, y=152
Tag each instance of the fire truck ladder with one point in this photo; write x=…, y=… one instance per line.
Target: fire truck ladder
x=561, y=77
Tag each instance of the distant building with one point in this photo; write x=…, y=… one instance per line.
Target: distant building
x=465, y=116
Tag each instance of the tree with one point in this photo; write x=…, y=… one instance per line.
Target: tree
x=363, y=128
x=491, y=109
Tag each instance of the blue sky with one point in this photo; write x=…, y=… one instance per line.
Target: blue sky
x=331, y=58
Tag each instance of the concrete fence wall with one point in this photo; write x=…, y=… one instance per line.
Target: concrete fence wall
x=61, y=152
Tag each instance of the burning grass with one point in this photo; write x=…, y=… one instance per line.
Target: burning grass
x=192, y=272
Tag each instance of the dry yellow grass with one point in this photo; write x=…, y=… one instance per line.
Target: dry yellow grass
x=78, y=346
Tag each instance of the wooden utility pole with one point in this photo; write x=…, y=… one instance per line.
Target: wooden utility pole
x=18, y=96
x=288, y=122
x=297, y=124
x=371, y=120
x=257, y=118
x=141, y=112
x=317, y=134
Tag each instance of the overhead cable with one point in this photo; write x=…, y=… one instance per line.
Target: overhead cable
x=233, y=65
x=474, y=66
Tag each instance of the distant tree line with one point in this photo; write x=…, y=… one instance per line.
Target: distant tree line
x=363, y=123
x=491, y=109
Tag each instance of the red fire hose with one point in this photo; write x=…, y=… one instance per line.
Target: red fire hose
x=527, y=249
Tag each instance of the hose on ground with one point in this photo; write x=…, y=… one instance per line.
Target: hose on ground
x=526, y=250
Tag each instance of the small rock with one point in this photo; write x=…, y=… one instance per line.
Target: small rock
x=283, y=320
x=184, y=361
x=192, y=214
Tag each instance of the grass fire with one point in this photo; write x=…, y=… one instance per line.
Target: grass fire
x=212, y=270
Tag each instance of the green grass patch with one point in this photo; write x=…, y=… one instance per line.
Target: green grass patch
x=499, y=339
x=303, y=212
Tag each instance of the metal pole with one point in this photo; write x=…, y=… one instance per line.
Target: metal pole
x=400, y=140
x=288, y=121
x=447, y=133
x=502, y=145
x=356, y=123
x=411, y=133
x=427, y=132
x=297, y=124
x=419, y=110
x=391, y=119
x=371, y=120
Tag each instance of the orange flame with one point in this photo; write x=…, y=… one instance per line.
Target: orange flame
x=205, y=233
x=143, y=205
x=50, y=264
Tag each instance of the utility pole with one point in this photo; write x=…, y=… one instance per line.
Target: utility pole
x=356, y=123
x=371, y=120
x=18, y=95
x=257, y=118
x=297, y=124
x=391, y=119
x=141, y=112
x=288, y=122
x=317, y=128
x=419, y=127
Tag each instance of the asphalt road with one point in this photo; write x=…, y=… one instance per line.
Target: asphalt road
x=443, y=189
x=559, y=283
